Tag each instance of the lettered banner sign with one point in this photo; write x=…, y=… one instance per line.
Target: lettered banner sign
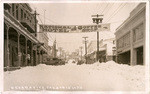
x=74, y=28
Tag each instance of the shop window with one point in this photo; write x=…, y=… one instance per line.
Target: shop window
x=138, y=33
x=134, y=35
x=141, y=30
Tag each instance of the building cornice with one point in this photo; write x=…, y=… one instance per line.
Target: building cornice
x=133, y=14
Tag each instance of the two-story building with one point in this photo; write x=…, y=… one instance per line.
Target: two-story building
x=20, y=43
x=43, y=38
x=130, y=37
x=106, y=50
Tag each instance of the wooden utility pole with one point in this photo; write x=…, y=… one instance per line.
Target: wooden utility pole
x=85, y=49
x=55, y=51
x=81, y=52
x=35, y=18
x=97, y=20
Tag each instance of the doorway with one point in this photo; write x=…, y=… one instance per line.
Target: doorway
x=140, y=56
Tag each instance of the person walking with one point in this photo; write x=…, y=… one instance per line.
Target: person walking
x=28, y=59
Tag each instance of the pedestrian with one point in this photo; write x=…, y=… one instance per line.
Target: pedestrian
x=28, y=58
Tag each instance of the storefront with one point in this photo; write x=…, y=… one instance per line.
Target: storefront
x=20, y=46
x=130, y=38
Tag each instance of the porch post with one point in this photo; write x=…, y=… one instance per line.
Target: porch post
x=39, y=55
x=36, y=56
x=7, y=34
x=26, y=50
x=132, y=50
x=42, y=57
x=144, y=45
x=19, y=53
x=31, y=54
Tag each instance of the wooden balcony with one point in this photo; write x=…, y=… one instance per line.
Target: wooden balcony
x=26, y=23
x=7, y=6
x=8, y=17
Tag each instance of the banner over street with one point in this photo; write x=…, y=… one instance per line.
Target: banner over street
x=74, y=28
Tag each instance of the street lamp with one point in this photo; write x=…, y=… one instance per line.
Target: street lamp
x=97, y=19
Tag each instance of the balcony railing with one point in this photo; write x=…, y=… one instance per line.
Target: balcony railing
x=7, y=6
x=19, y=25
x=28, y=24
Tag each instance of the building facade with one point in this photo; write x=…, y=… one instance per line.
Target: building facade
x=106, y=50
x=130, y=37
x=20, y=43
x=43, y=38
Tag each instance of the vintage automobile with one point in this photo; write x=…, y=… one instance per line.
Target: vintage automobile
x=52, y=61
x=55, y=61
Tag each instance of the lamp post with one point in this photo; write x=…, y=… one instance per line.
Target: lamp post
x=97, y=19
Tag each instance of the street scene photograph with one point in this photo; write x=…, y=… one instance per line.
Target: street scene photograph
x=74, y=46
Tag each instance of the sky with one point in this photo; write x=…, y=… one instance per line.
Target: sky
x=80, y=14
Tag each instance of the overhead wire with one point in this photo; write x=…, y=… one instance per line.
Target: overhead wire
x=104, y=9
x=115, y=10
x=50, y=20
x=99, y=7
x=40, y=19
x=43, y=24
x=45, y=17
x=109, y=9
x=114, y=13
x=49, y=34
x=52, y=40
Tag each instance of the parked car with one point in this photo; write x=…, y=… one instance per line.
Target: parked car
x=80, y=62
x=53, y=61
x=61, y=62
x=56, y=61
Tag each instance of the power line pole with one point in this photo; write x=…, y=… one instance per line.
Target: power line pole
x=35, y=18
x=81, y=52
x=85, y=49
x=97, y=20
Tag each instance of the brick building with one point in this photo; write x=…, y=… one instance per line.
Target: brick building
x=130, y=37
x=21, y=47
